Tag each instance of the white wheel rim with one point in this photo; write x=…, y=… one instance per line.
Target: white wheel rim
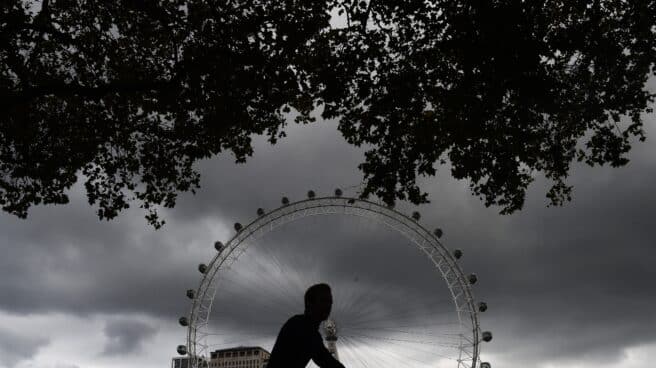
x=427, y=242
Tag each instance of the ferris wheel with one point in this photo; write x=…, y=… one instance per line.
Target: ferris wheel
x=437, y=329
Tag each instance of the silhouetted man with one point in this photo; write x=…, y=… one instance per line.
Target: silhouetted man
x=299, y=339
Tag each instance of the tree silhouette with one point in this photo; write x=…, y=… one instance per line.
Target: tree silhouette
x=129, y=94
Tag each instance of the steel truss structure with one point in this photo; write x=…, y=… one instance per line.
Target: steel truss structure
x=444, y=261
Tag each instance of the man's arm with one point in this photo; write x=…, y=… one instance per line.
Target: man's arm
x=321, y=356
x=280, y=354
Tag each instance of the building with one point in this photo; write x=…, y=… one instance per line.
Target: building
x=185, y=362
x=330, y=332
x=239, y=357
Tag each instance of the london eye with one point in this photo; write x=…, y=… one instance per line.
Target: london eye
x=256, y=278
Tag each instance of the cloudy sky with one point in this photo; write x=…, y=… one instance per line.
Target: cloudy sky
x=568, y=287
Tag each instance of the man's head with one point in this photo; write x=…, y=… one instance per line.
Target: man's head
x=318, y=302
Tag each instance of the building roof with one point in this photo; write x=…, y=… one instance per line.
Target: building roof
x=240, y=348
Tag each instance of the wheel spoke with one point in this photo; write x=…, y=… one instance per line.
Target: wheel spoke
x=260, y=282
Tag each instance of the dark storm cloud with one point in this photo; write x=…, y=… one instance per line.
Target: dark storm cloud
x=574, y=281
x=561, y=282
x=126, y=336
x=15, y=348
x=311, y=157
x=63, y=259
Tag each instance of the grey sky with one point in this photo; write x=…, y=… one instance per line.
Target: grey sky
x=126, y=336
x=566, y=286
x=16, y=346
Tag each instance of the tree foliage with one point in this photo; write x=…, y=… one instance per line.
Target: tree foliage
x=129, y=94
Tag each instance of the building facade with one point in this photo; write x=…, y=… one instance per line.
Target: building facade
x=185, y=362
x=239, y=357
x=330, y=336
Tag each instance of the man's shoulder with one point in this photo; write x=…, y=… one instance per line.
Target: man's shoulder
x=298, y=323
x=296, y=320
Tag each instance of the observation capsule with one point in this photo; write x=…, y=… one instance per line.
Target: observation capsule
x=218, y=246
x=351, y=201
x=457, y=254
x=311, y=194
x=472, y=278
x=438, y=232
x=260, y=211
x=182, y=350
x=487, y=336
x=486, y=365
x=191, y=293
x=338, y=192
x=416, y=216
x=285, y=201
x=202, y=268
x=183, y=321
x=238, y=227
x=482, y=306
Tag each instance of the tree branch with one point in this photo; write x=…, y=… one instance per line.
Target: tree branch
x=61, y=89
